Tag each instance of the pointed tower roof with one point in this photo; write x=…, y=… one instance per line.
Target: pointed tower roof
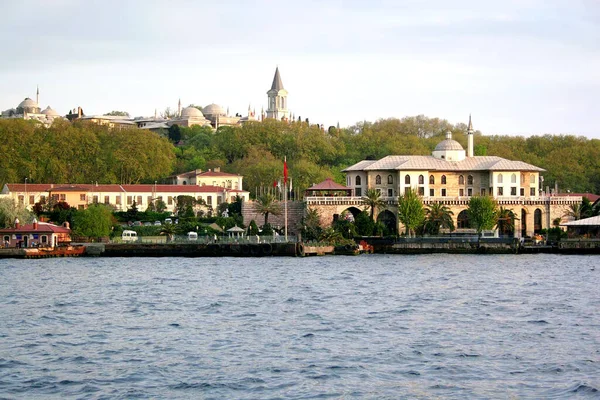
x=277, y=84
x=470, y=127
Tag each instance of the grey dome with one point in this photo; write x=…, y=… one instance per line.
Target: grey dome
x=213, y=109
x=50, y=112
x=28, y=103
x=448, y=144
x=191, y=112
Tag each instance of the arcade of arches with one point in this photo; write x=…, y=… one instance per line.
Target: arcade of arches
x=530, y=218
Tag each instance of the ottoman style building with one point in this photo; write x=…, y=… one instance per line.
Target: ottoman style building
x=451, y=176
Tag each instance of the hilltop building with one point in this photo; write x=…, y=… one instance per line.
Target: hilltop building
x=277, y=99
x=30, y=109
x=450, y=176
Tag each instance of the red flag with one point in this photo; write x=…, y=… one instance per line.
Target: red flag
x=285, y=170
x=274, y=184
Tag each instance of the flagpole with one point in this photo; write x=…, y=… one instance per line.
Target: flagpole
x=285, y=219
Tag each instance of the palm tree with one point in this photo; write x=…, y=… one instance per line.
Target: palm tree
x=574, y=212
x=169, y=231
x=506, y=221
x=438, y=216
x=266, y=204
x=373, y=201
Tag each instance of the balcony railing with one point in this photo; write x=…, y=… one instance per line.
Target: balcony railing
x=356, y=201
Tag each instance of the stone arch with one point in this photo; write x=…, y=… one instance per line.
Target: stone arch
x=431, y=180
x=350, y=210
x=537, y=220
x=388, y=219
x=462, y=220
x=378, y=180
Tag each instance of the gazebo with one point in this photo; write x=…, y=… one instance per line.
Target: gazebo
x=236, y=231
x=328, y=188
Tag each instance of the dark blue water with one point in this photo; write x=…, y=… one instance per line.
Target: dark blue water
x=372, y=327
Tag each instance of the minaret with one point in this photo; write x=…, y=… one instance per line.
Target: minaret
x=470, y=138
x=277, y=96
x=179, y=108
x=37, y=96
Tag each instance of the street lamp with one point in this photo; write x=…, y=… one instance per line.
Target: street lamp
x=25, y=201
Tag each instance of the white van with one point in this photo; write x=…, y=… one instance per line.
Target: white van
x=129, y=236
x=192, y=236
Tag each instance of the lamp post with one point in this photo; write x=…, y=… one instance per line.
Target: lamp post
x=25, y=201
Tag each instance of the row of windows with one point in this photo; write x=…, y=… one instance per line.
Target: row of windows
x=461, y=179
x=461, y=192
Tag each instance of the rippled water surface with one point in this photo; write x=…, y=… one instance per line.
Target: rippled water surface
x=372, y=326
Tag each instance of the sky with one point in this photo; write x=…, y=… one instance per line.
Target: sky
x=520, y=67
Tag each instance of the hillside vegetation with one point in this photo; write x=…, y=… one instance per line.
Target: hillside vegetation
x=82, y=152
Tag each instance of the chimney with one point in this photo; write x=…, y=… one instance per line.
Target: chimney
x=217, y=169
x=17, y=223
x=35, y=224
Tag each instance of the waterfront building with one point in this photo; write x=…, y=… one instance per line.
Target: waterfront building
x=120, y=197
x=34, y=234
x=451, y=176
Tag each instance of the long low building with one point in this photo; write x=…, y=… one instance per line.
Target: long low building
x=121, y=197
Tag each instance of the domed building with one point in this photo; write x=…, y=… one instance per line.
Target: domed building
x=189, y=116
x=30, y=109
x=451, y=176
x=219, y=117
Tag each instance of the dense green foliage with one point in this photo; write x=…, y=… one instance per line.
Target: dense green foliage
x=438, y=216
x=95, y=221
x=483, y=212
x=411, y=211
x=82, y=152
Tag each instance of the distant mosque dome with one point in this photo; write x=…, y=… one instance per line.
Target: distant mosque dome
x=191, y=112
x=48, y=111
x=28, y=103
x=214, y=109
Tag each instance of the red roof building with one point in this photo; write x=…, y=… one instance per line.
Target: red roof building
x=35, y=234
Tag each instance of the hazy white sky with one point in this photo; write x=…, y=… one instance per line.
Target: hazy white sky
x=519, y=66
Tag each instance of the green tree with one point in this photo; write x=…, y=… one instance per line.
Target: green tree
x=411, y=211
x=482, y=212
x=311, y=224
x=95, y=221
x=373, y=201
x=266, y=204
x=365, y=225
x=438, y=216
x=9, y=211
x=118, y=113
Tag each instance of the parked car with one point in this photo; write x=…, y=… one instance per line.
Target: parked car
x=137, y=223
x=168, y=221
x=157, y=223
x=147, y=223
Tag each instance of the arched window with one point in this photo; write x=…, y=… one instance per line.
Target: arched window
x=378, y=180
x=443, y=179
x=513, y=178
x=461, y=180
x=357, y=180
x=470, y=180
x=390, y=179
x=421, y=180
x=500, y=179
x=431, y=180
x=407, y=179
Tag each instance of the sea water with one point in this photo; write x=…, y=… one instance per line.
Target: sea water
x=365, y=327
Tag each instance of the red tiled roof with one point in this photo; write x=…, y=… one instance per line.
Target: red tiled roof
x=41, y=187
x=213, y=173
x=328, y=184
x=43, y=227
